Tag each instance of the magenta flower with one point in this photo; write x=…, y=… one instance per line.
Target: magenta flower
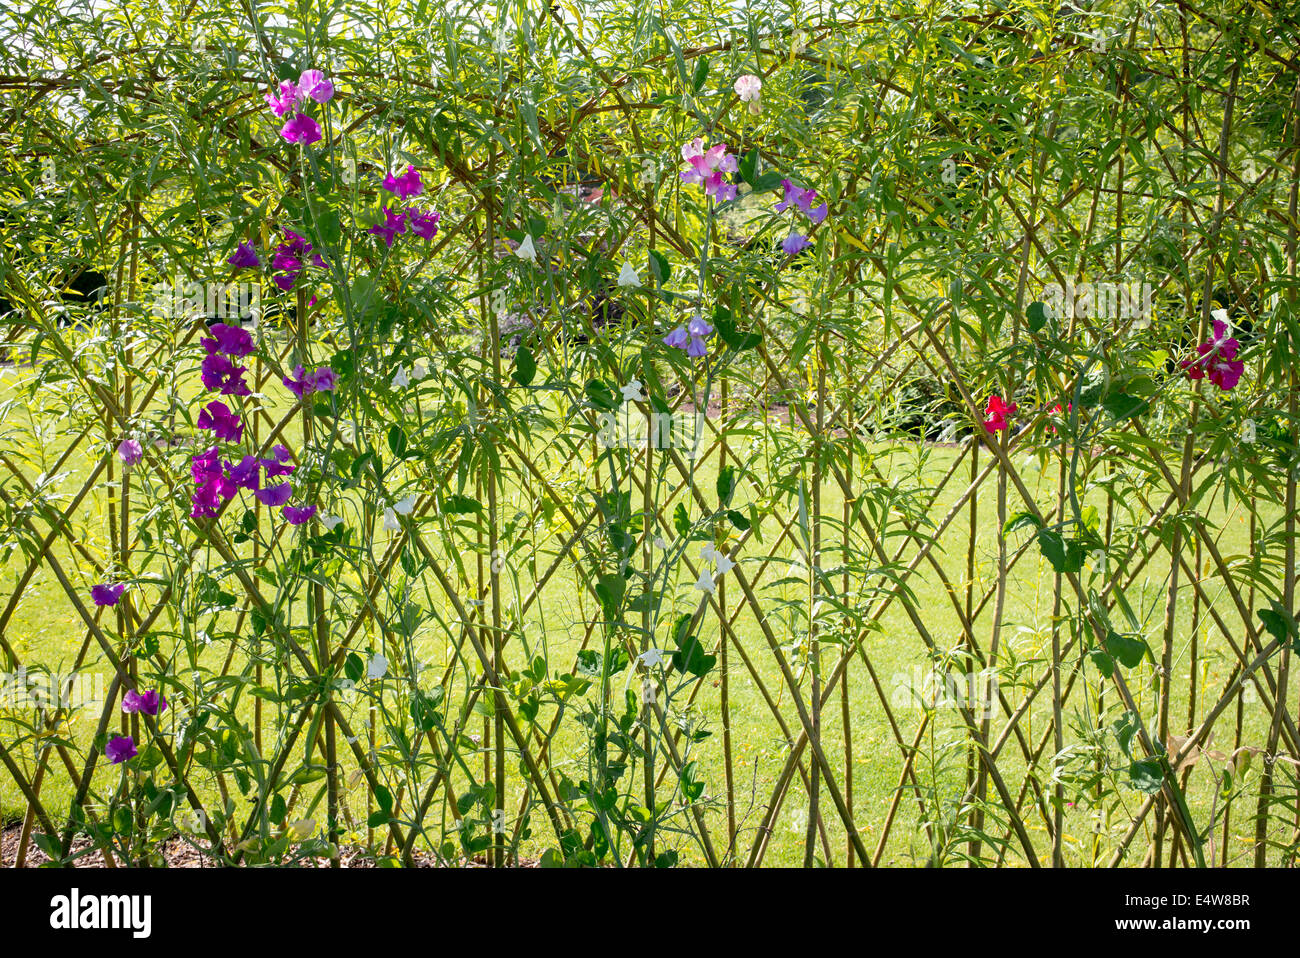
x=424, y=225
x=1217, y=356
x=998, y=411
x=394, y=223
x=280, y=465
x=324, y=379
x=206, y=467
x=795, y=243
x=234, y=341
x=275, y=496
x=707, y=168
x=801, y=198
x=244, y=257
x=150, y=703
x=119, y=749
x=209, y=497
x=285, y=98
x=107, y=594
x=246, y=474
x=406, y=185
x=130, y=451
x=300, y=128
x=678, y=338
x=303, y=383
x=313, y=84
x=219, y=374
x=226, y=424
x=297, y=515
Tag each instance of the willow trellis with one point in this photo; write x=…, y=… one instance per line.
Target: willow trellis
x=575, y=595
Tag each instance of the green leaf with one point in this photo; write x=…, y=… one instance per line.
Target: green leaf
x=1146, y=776
x=749, y=165
x=1065, y=555
x=726, y=484
x=525, y=366
x=1122, y=406
x=397, y=441
x=601, y=396
x=1036, y=315
x=460, y=505
x=1129, y=650
x=659, y=267
x=1280, y=624
x=681, y=520
x=701, y=73
x=1021, y=520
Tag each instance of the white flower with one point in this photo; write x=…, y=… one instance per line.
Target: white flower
x=709, y=553
x=390, y=521
x=1248, y=430
x=705, y=582
x=418, y=372
x=651, y=658
x=377, y=667
x=659, y=543
x=1222, y=316
x=401, y=380
x=747, y=88
x=632, y=391
x=628, y=276
x=331, y=522
x=527, y=250
x=725, y=565
x=404, y=507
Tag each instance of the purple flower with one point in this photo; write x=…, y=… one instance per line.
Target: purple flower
x=106, y=594
x=119, y=749
x=280, y=465
x=678, y=338
x=300, y=128
x=226, y=424
x=206, y=466
x=219, y=374
x=244, y=257
x=698, y=327
x=275, y=496
x=150, y=702
x=697, y=349
x=802, y=198
x=245, y=475
x=424, y=225
x=130, y=451
x=324, y=379
x=795, y=243
x=234, y=341
x=394, y=223
x=297, y=515
x=406, y=185
x=313, y=84
x=284, y=99
x=209, y=496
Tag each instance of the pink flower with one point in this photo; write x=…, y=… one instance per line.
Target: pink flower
x=424, y=225
x=707, y=168
x=226, y=424
x=313, y=84
x=1217, y=356
x=801, y=198
x=748, y=87
x=300, y=128
x=406, y=185
x=284, y=99
x=997, y=412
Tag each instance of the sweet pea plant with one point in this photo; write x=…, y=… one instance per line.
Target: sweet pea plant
x=626, y=421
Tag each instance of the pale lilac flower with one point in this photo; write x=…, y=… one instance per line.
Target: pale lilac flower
x=130, y=451
x=677, y=339
x=801, y=198
x=285, y=99
x=795, y=243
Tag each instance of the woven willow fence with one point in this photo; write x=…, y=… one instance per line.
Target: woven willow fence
x=797, y=586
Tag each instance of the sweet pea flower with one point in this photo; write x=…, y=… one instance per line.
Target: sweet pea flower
x=424, y=224
x=526, y=250
x=795, y=243
x=394, y=223
x=748, y=87
x=219, y=374
x=275, y=496
x=233, y=341
x=245, y=474
x=707, y=168
x=244, y=257
x=406, y=185
x=628, y=277
x=802, y=199
x=130, y=451
x=300, y=128
x=119, y=749
x=297, y=515
x=226, y=424
x=1217, y=356
x=313, y=84
x=997, y=411
x=149, y=703
x=280, y=463
x=284, y=99
x=678, y=338
x=106, y=594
